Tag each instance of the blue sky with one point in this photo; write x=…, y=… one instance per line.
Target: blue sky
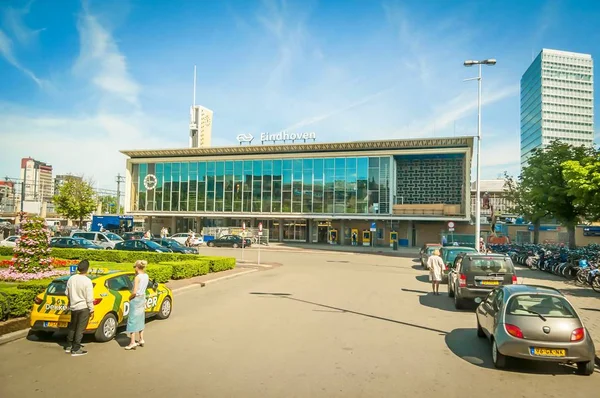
x=84, y=79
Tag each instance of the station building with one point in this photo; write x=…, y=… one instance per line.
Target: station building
x=308, y=192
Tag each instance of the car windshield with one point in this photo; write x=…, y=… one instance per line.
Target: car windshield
x=540, y=304
x=172, y=243
x=83, y=242
x=153, y=245
x=490, y=265
x=114, y=237
x=450, y=255
x=431, y=249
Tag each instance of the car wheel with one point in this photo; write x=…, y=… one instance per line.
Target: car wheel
x=450, y=289
x=480, y=332
x=585, y=368
x=107, y=329
x=165, y=309
x=109, y=248
x=211, y=244
x=235, y=245
x=43, y=334
x=458, y=302
x=498, y=359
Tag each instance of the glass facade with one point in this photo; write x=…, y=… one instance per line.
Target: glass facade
x=557, y=101
x=332, y=185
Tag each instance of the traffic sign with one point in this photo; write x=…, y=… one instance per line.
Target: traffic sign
x=243, y=226
x=373, y=226
x=450, y=224
x=260, y=231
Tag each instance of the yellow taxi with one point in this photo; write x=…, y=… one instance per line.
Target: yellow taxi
x=50, y=312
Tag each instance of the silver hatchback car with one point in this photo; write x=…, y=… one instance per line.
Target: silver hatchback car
x=535, y=323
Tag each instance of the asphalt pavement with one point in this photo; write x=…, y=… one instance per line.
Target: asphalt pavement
x=321, y=325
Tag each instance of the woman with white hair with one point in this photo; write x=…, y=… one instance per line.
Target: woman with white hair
x=436, y=269
x=137, y=305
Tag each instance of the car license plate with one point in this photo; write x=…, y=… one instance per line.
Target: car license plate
x=548, y=352
x=56, y=324
x=490, y=283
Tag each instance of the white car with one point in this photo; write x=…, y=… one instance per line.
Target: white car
x=11, y=241
x=182, y=238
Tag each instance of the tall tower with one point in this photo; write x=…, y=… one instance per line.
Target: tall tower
x=200, y=123
x=557, y=101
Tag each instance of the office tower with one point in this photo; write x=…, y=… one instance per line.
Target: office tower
x=37, y=178
x=557, y=101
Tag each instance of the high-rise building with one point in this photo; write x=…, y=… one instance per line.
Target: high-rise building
x=200, y=126
x=557, y=101
x=37, y=178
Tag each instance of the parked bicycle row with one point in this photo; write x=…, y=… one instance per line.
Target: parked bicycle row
x=581, y=264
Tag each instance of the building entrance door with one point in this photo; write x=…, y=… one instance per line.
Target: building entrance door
x=322, y=229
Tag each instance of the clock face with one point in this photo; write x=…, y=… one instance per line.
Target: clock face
x=150, y=182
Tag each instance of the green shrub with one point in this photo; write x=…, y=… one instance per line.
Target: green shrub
x=117, y=256
x=6, y=251
x=36, y=286
x=16, y=302
x=189, y=269
x=218, y=264
x=161, y=273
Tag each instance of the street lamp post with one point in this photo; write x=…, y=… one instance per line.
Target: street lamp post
x=489, y=62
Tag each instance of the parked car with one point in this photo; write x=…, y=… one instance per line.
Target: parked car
x=426, y=251
x=182, y=238
x=142, y=245
x=108, y=240
x=535, y=323
x=50, y=311
x=229, y=241
x=11, y=241
x=449, y=254
x=133, y=235
x=475, y=275
x=175, y=246
x=74, y=243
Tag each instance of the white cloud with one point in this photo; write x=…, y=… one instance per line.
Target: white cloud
x=101, y=60
x=13, y=20
x=6, y=50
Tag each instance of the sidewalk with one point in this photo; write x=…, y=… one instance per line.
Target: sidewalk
x=410, y=252
x=585, y=300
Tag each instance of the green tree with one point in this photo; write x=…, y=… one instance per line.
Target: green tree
x=521, y=204
x=544, y=186
x=583, y=180
x=109, y=204
x=75, y=199
x=32, y=252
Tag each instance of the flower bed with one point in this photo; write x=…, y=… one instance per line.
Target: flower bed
x=56, y=262
x=12, y=275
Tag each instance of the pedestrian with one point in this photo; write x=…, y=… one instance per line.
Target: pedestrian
x=148, y=235
x=162, y=233
x=481, y=245
x=444, y=240
x=436, y=268
x=81, y=300
x=137, y=305
x=354, y=237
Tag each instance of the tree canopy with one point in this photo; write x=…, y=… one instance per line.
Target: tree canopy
x=75, y=199
x=543, y=190
x=583, y=181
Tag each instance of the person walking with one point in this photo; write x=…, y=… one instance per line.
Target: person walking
x=81, y=300
x=162, y=233
x=354, y=238
x=436, y=268
x=137, y=305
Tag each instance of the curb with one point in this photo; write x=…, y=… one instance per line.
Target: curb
x=203, y=284
x=19, y=334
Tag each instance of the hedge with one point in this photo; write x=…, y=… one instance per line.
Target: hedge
x=189, y=269
x=6, y=251
x=218, y=264
x=161, y=273
x=118, y=256
x=15, y=302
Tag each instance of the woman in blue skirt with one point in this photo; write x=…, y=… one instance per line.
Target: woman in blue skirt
x=137, y=305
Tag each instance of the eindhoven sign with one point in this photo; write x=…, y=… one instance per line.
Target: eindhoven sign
x=282, y=136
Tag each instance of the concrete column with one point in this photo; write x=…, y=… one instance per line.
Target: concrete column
x=409, y=235
x=150, y=224
x=341, y=232
x=281, y=230
x=173, y=225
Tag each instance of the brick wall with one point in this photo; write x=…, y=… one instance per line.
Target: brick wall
x=423, y=180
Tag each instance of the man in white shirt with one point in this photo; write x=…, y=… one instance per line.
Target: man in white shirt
x=80, y=292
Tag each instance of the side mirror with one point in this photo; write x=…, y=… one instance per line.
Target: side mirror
x=154, y=284
x=478, y=300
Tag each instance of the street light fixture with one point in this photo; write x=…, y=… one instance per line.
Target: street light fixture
x=468, y=63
